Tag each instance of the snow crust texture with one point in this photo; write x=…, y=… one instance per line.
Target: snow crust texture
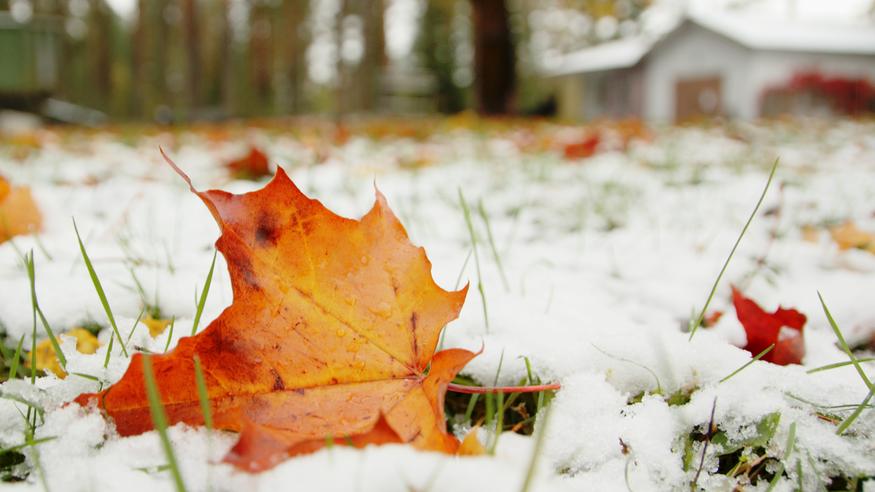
x=602, y=261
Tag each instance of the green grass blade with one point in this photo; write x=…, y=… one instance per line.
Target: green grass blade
x=843, y=426
x=837, y=365
x=137, y=322
x=467, y=212
x=204, y=293
x=694, y=325
x=100, y=293
x=13, y=368
x=856, y=363
x=754, y=359
x=462, y=270
x=483, y=215
x=202, y=394
x=170, y=333
x=536, y=453
x=634, y=363
x=32, y=442
x=791, y=442
x=108, y=352
x=472, y=403
x=159, y=419
x=30, y=266
x=844, y=344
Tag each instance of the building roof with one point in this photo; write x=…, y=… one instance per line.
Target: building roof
x=752, y=28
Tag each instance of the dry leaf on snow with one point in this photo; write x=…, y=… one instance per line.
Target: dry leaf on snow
x=848, y=236
x=331, y=334
x=783, y=328
x=18, y=211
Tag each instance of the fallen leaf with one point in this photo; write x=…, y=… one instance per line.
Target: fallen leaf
x=156, y=326
x=810, y=233
x=783, y=328
x=471, y=445
x=583, y=148
x=253, y=165
x=18, y=211
x=712, y=318
x=332, y=331
x=47, y=359
x=848, y=236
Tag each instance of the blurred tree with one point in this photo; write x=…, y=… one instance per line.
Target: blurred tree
x=435, y=46
x=99, y=44
x=192, y=52
x=292, y=51
x=494, y=63
x=216, y=57
x=261, y=53
x=373, y=59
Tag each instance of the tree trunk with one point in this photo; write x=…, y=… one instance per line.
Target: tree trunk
x=374, y=58
x=292, y=51
x=494, y=70
x=192, y=52
x=141, y=95
x=261, y=54
x=100, y=54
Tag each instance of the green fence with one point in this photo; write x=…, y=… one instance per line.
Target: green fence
x=28, y=56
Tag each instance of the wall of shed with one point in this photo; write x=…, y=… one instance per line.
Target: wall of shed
x=693, y=52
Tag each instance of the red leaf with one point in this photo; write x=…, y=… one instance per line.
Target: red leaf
x=783, y=328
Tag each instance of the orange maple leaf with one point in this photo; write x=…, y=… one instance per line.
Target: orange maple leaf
x=331, y=334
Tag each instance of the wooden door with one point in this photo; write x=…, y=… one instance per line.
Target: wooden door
x=698, y=99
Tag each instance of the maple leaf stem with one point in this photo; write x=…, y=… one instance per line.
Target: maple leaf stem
x=694, y=325
x=483, y=390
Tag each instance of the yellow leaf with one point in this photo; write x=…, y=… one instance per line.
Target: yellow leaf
x=471, y=446
x=47, y=360
x=810, y=234
x=848, y=236
x=18, y=211
x=156, y=326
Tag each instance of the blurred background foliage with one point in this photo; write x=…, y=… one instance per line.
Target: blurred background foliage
x=184, y=60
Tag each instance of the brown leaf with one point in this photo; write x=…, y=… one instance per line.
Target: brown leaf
x=331, y=334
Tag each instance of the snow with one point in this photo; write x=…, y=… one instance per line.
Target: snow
x=605, y=260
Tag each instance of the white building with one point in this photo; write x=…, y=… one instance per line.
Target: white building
x=711, y=61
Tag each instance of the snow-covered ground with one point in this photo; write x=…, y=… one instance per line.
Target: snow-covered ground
x=603, y=261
